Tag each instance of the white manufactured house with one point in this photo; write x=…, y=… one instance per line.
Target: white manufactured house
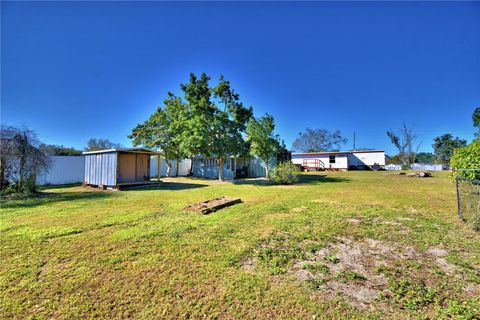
x=340, y=160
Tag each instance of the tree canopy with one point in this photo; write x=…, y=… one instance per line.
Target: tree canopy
x=316, y=140
x=264, y=143
x=425, y=157
x=20, y=160
x=476, y=121
x=207, y=120
x=404, y=141
x=101, y=144
x=59, y=150
x=163, y=131
x=444, y=145
x=467, y=161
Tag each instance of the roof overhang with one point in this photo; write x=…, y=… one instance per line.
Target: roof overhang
x=126, y=150
x=324, y=153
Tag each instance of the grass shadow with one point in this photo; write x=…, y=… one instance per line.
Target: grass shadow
x=302, y=179
x=254, y=181
x=59, y=186
x=168, y=185
x=319, y=178
x=44, y=198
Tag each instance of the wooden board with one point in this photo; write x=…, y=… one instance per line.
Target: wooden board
x=212, y=205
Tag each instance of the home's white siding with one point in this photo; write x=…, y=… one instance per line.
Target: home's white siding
x=366, y=158
x=344, y=159
x=64, y=169
x=341, y=160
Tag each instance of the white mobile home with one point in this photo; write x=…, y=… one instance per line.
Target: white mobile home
x=340, y=160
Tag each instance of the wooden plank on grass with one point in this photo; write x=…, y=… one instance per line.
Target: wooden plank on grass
x=211, y=205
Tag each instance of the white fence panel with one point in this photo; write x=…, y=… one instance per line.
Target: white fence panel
x=428, y=166
x=183, y=167
x=393, y=167
x=419, y=166
x=64, y=169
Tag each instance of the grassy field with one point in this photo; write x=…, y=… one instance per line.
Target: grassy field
x=352, y=244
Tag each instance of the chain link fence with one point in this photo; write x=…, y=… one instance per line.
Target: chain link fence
x=468, y=200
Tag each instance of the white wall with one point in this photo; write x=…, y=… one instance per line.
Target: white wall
x=64, y=169
x=341, y=161
x=183, y=167
x=366, y=158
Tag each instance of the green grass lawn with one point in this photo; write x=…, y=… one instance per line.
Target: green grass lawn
x=352, y=244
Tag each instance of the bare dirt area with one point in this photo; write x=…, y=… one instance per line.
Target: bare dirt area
x=366, y=273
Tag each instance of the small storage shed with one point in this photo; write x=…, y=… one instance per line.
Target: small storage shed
x=117, y=167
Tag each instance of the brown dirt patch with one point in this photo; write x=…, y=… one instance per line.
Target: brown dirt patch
x=354, y=269
x=358, y=271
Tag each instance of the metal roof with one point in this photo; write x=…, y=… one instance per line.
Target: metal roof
x=335, y=152
x=131, y=150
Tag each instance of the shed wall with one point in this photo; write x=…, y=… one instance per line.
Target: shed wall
x=101, y=169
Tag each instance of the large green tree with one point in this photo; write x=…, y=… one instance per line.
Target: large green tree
x=163, y=131
x=444, y=145
x=216, y=120
x=264, y=143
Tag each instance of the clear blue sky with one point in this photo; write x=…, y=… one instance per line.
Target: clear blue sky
x=73, y=71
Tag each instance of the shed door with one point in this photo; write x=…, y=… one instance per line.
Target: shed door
x=126, y=167
x=142, y=173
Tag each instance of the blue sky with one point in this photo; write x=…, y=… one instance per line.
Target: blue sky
x=74, y=71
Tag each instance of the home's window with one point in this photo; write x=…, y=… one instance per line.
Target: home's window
x=227, y=164
x=331, y=159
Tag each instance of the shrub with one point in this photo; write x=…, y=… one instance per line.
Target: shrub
x=30, y=187
x=467, y=158
x=286, y=173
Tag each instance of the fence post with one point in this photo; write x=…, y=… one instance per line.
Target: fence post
x=459, y=203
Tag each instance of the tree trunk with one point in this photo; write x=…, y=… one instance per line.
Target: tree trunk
x=2, y=174
x=220, y=169
x=176, y=167
x=267, y=171
x=190, y=172
x=169, y=167
x=21, y=172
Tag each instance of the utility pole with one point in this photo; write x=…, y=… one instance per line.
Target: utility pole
x=353, y=140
